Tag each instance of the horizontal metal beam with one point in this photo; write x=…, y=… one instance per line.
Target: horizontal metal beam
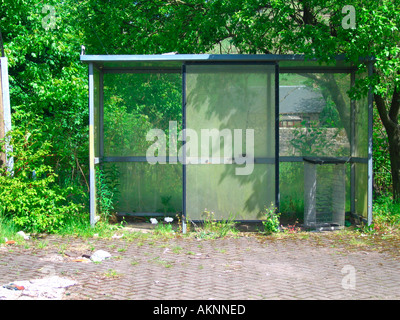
x=257, y=160
x=172, y=160
x=301, y=159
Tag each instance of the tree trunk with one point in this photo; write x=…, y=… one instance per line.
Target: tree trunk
x=390, y=122
x=394, y=149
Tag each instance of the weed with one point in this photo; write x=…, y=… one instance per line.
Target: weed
x=213, y=229
x=164, y=229
x=292, y=228
x=220, y=250
x=177, y=249
x=134, y=262
x=271, y=220
x=107, y=189
x=164, y=263
x=111, y=273
x=62, y=248
x=42, y=244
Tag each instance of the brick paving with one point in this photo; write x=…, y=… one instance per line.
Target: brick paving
x=244, y=268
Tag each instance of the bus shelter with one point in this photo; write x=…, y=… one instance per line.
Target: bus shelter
x=228, y=136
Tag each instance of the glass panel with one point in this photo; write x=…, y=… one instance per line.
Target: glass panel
x=324, y=195
x=291, y=188
x=314, y=121
x=361, y=189
x=314, y=114
x=230, y=121
x=145, y=188
x=314, y=64
x=136, y=103
x=216, y=188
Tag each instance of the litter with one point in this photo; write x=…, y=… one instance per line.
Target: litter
x=23, y=235
x=49, y=288
x=13, y=286
x=100, y=255
x=84, y=260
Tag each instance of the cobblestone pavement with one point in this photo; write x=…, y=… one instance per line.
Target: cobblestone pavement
x=242, y=268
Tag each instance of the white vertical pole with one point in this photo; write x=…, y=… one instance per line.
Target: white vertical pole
x=5, y=100
x=92, y=184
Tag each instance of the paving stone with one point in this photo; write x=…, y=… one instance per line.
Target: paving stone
x=227, y=269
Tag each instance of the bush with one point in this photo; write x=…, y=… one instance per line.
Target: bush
x=386, y=213
x=29, y=194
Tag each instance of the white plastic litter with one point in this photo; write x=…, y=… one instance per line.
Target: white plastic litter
x=49, y=288
x=23, y=235
x=153, y=220
x=168, y=219
x=100, y=255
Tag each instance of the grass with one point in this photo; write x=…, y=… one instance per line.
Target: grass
x=111, y=273
x=7, y=230
x=214, y=229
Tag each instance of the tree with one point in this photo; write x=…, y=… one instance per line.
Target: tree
x=48, y=87
x=317, y=28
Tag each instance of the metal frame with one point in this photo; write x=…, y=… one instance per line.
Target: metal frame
x=152, y=64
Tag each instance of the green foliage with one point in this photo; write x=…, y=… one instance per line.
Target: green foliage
x=386, y=216
x=381, y=163
x=48, y=83
x=313, y=27
x=7, y=229
x=30, y=196
x=107, y=190
x=164, y=229
x=271, y=221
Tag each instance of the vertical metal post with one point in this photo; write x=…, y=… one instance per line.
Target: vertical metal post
x=352, y=147
x=370, y=144
x=5, y=110
x=101, y=114
x=277, y=192
x=92, y=183
x=184, y=148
